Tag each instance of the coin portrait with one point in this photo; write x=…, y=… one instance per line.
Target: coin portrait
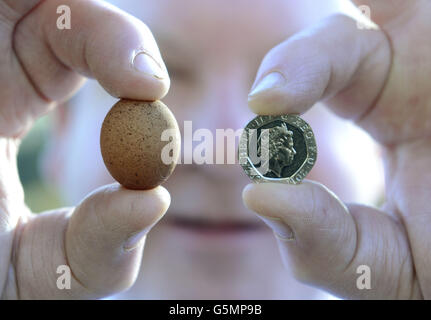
x=277, y=148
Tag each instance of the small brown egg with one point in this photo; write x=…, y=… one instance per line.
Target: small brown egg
x=132, y=146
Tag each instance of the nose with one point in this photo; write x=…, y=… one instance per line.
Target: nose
x=226, y=102
x=224, y=112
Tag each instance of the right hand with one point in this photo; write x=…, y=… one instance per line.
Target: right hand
x=101, y=240
x=378, y=78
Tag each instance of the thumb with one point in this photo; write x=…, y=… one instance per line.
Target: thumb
x=324, y=242
x=333, y=58
x=308, y=219
x=106, y=233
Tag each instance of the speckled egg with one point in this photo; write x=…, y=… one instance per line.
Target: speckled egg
x=134, y=150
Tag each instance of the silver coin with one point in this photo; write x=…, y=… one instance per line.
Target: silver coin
x=277, y=149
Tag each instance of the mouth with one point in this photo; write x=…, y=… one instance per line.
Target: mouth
x=208, y=227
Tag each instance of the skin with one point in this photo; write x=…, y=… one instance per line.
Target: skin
x=392, y=242
x=107, y=219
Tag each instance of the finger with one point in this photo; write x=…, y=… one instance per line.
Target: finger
x=333, y=58
x=11, y=207
x=104, y=239
x=323, y=242
x=102, y=244
x=103, y=42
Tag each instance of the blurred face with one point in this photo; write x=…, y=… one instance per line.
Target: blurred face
x=208, y=245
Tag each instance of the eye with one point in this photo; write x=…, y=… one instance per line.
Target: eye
x=179, y=72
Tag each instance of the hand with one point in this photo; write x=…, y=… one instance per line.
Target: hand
x=378, y=78
x=101, y=240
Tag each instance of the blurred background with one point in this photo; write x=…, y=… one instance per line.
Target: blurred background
x=40, y=194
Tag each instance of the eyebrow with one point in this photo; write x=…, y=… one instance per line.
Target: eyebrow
x=172, y=48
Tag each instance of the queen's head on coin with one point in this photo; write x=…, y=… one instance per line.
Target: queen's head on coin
x=281, y=149
x=277, y=148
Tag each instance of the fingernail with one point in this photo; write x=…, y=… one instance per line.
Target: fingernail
x=136, y=239
x=270, y=81
x=281, y=230
x=145, y=63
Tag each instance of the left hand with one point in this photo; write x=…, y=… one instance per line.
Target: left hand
x=379, y=78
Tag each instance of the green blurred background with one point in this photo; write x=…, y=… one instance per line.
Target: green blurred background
x=39, y=194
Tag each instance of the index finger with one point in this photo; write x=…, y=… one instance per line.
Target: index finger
x=333, y=58
x=103, y=42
